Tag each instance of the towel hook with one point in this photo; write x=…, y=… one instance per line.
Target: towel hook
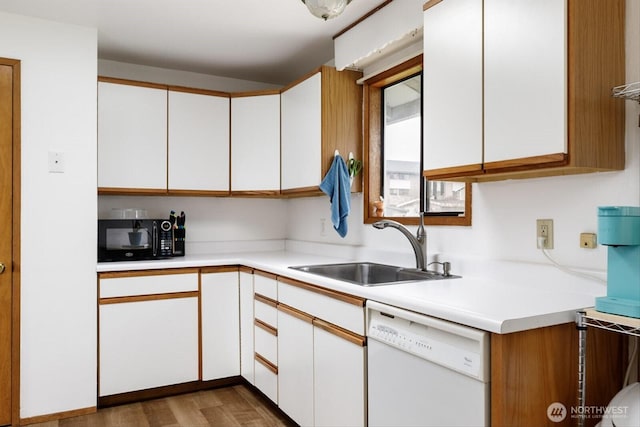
x=336, y=154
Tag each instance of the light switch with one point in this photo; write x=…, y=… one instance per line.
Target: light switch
x=56, y=162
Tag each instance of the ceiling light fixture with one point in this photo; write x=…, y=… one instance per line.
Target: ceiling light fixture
x=326, y=9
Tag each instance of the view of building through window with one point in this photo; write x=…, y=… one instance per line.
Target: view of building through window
x=402, y=164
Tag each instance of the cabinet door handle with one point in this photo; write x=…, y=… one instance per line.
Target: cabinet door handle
x=2, y=268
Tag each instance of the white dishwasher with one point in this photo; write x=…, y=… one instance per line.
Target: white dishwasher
x=423, y=371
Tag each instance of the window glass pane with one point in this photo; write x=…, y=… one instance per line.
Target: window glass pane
x=402, y=158
x=445, y=196
x=402, y=169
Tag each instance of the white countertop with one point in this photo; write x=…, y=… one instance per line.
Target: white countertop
x=521, y=299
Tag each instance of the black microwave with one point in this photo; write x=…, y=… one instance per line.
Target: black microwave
x=134, y=239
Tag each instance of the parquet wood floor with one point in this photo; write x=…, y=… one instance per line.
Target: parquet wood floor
x=223, y=407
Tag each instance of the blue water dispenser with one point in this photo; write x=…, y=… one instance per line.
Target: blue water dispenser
x=619, y=229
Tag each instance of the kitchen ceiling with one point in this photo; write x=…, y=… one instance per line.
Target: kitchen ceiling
x=270, y=41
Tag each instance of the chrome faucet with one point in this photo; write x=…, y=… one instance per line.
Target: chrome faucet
x=418, y=243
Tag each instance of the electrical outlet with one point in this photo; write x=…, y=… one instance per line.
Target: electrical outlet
x=544, y=228
x=588, y=240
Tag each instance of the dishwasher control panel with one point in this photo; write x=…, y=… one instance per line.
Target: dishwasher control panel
x=454, y=346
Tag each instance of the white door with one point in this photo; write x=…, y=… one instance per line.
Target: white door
x=295, y=366
x=255, y=143
x=132, y=136
x=220, y=312
x=246, y=327
x=198, y=142
x=302, y=134
x=339, y=373
x=525, y=62
x=452, y=93
x=148, y=344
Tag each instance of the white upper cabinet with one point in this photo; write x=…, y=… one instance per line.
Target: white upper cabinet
x=525, y=86
x=301, y=134
x=255, y=144
x=519, y=88
x=132, y=136
x=198, y=142
x=321, y=113
x=452, y=113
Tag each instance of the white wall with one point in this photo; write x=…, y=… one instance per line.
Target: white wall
x=215, y=225
x=58, y=243
x=504, y=213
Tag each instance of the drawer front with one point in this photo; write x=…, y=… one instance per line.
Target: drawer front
x=266, y=343
x=266, y=379
x=266, y=312
x=347, y=315
x=265, y=284
x=121, y=284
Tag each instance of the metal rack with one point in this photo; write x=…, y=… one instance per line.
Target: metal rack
x=630, y=91
x=596, y=319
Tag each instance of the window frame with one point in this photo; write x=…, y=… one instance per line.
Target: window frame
x=372, y=117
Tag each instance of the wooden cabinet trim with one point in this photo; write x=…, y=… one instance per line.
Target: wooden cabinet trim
x=302, y=191
x=151, y=297
x=108, y=191
x=198, y=193
x=220, y=269
x=141, y=273
x=128, y=82
x=255, y=93
x=549, y=160
x=256, y=193
x=340, y=332
x=350, y=299
x=430, y=4
x=295, y=313
x=198, y=91
x=245, y=269
x=266, y=363
x=266, y=327
x=453, y=172
x=265, y=274
x=265, y=300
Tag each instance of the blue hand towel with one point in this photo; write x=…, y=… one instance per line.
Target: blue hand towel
x=337, y=186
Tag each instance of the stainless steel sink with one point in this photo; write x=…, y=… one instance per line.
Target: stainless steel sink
x=371, y=274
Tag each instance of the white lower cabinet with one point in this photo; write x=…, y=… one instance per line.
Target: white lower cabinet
x=148, y=344
x=266, y=378
x=321, y=365
x=339, y=371
x=295, y=365
x=246, y=326
x=148, y=330
x=266, y=334
x=220, y=313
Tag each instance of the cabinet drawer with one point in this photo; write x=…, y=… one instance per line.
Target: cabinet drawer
x=343, y=310
x=265, y=284
x=266, y=377
x=266, y=311
x=266, y=342
x=157, y=282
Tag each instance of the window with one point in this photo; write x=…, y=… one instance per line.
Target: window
x=394, y=184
